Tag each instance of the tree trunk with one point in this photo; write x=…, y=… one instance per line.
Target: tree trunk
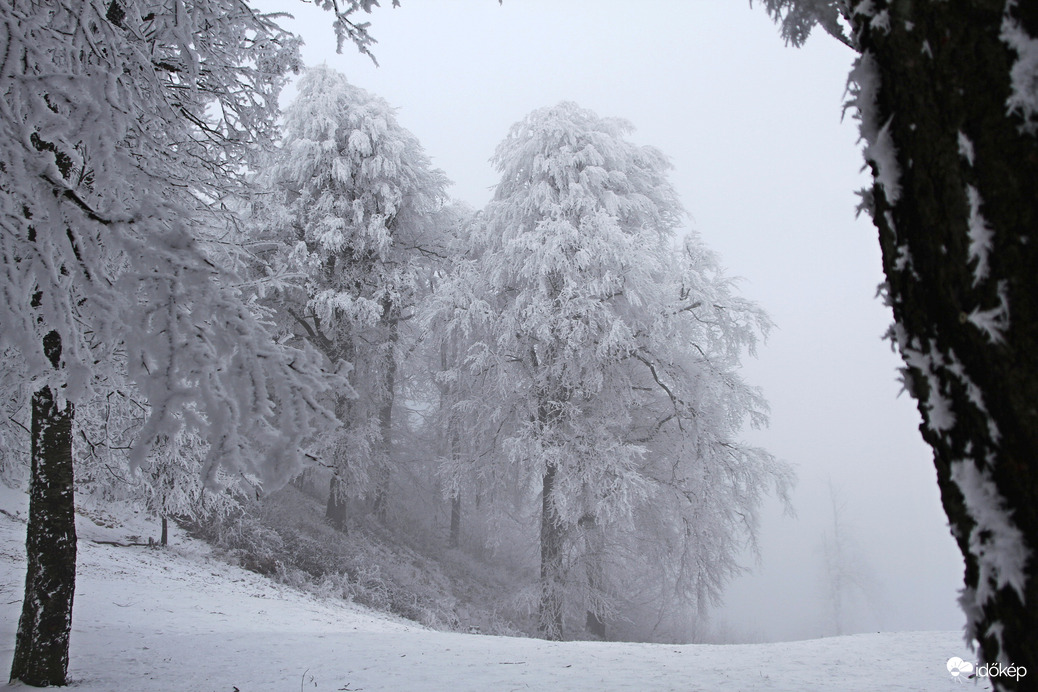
x=335, y=511
x=41, y=648
x=455, y=449
x=550, y=610
x=455, y=536
x=385, y=415
x=302, y=481
x=380, y=503
x=956, y=206
x=164, y=538
x=595, y=625
x=594, y=547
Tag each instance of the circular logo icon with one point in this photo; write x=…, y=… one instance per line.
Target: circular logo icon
x=957, y=667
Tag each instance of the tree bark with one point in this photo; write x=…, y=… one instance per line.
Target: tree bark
x=966, y=315
x=594, y=547
x=552, y=579
x=454, y=540
x=41, y=647
x=448, y=397
x=385, y=414
x=45, y=625
x=453, y=440
x=595, y=625
x=335, y=510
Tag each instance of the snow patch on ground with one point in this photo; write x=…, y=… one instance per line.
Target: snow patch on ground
x=183, y=619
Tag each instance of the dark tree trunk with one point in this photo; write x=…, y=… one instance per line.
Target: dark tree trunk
x=454, y=540
x=385, y=415
x=164, y=538
x=594, y=547
x=966, y=319
x=552, y=578
x=301, y=482
x=380, y=502
x=335, y=511
x=41, y=648
x=595, y=625
x=41, y=644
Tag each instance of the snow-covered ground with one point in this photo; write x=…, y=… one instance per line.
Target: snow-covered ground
x=181, y=619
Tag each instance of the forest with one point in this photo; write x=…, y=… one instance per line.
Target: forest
x=278, y=331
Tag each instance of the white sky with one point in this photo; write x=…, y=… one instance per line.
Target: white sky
x=767, y=171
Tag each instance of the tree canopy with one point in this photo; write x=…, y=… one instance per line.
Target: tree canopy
x=606, y=354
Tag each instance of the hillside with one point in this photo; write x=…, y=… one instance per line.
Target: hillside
x=183, y=619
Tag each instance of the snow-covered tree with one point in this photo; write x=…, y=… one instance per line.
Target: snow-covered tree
x=946, y=94
x=848, y=580
x=168, y=484
x=354, y=206
x=704, y=485
x=432, y=393
x=124, y=125
x=606, y=360
x=798, y=17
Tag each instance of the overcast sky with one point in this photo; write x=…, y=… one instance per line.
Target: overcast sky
x=767, y=172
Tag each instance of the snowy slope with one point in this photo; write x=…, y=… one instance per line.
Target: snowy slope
x=181, y=619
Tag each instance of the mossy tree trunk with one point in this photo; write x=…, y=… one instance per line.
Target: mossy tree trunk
x=958, y=225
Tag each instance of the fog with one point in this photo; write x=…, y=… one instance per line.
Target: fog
x=768, y=170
